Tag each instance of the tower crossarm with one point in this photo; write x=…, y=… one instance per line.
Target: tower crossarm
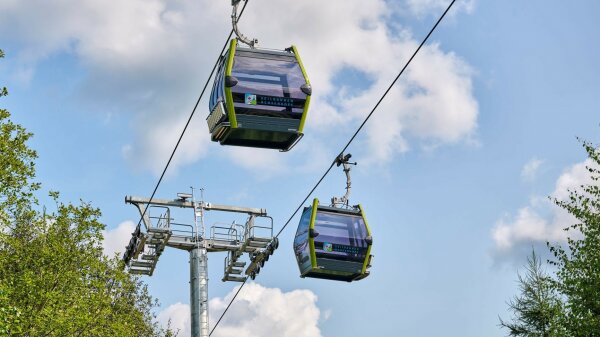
x=185, y=203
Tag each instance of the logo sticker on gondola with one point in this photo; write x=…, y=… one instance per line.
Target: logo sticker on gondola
x=328, y=247
x=250, y=99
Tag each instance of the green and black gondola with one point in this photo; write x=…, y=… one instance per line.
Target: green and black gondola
x=333, y=243
x=260, y=98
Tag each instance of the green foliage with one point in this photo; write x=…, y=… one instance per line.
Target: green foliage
x=10, y=316
x=3, y=91
x=54, y=278
x=63, y=283
x=538, y=309
x=17, y=167
x=567, y=304
x=578, y=275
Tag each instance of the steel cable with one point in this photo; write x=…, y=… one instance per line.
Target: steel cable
x=346, y=146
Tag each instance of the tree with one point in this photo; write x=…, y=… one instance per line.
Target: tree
x=54, y=278
x=537, y=309
x=62, y=283
x=568, y=303
x=578, y=275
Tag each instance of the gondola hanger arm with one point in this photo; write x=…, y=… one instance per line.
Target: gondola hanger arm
x=234, y=20
x=344, y=160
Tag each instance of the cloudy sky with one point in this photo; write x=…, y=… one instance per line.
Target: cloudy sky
x=455, y=168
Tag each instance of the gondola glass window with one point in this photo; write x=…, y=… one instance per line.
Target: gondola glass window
x=340, y=237
x=260, y=98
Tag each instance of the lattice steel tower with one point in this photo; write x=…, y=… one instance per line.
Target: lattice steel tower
x=254, y=238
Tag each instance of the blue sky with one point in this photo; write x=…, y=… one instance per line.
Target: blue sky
x=454, y=168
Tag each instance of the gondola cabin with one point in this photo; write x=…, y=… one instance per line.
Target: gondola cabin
x=333, y=243
x=260, y=98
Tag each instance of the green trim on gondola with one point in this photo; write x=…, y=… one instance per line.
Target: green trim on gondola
x=307, y=103
x=368, y=255
x=311, y=241
x=228, y=94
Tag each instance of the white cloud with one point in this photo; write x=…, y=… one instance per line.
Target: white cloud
x=155, y=144
x=531, y=168
x=150, y=58
x=434, y=101
x=267, y=163
x=116, y=240
x=576, y=176
x=528, y=226
x=264, y=162
x=147, y=59
x=179, y=316
x=541, y=221
x=421, y=7
x=257, y=311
